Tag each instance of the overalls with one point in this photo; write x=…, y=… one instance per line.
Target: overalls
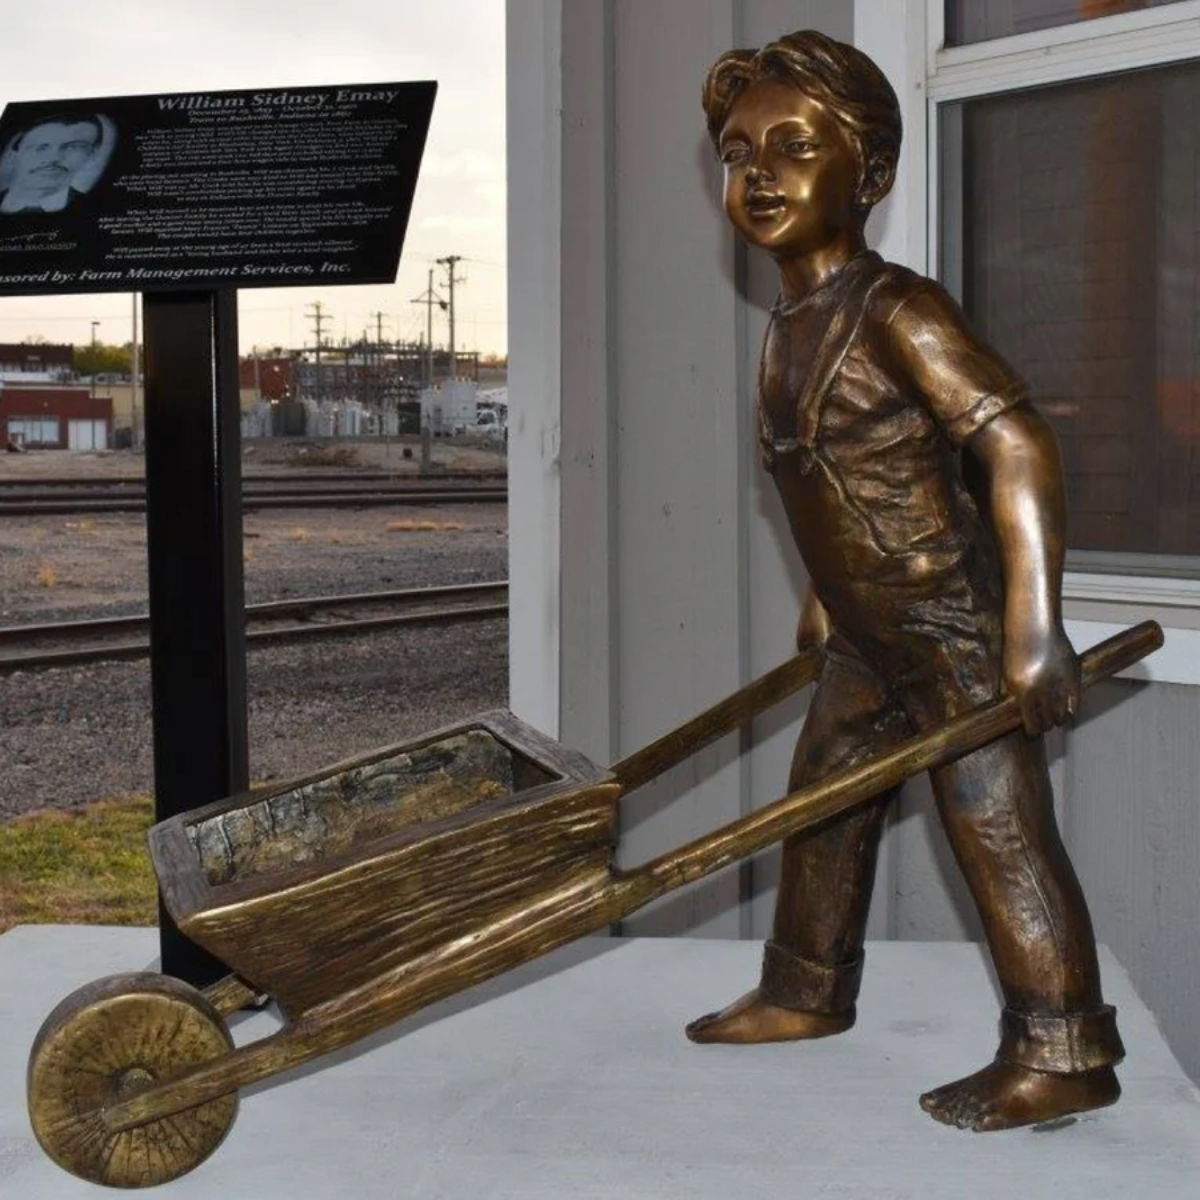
x=862, y=433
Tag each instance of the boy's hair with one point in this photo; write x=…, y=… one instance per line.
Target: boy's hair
x=837, y=75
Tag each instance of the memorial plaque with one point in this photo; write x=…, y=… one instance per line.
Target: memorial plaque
x=270, y=187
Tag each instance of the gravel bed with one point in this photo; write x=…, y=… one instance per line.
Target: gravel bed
x=73, y=735
x=71, y=568
x=284, y=457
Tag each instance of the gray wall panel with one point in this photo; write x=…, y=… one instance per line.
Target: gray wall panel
x=1133, y=830
x=677, y=479
x=589, y=418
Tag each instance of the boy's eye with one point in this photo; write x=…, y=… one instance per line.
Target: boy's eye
x=733, y=153
x=799, y=146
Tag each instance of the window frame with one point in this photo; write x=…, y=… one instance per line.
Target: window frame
x=929, y=75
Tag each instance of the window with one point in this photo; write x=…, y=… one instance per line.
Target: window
x=1065, y=215
x=1074, y=247
x=981, y=20
x=34, y=431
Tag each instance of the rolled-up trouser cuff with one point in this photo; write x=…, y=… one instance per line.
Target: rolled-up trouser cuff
x=790, y=981
x=1061, y=1043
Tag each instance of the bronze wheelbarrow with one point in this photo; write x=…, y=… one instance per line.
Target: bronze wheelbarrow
x=362, y=894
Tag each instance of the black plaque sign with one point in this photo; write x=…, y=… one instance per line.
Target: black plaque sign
x=286, y=186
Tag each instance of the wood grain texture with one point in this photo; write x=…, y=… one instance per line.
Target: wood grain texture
x=106, y=1041
x=672, y=748
x=330, y=934
x=465, y=846
x=527, y=930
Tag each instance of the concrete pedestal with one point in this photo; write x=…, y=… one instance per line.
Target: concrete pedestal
x=571, y=1079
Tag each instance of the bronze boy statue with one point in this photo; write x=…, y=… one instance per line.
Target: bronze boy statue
x=930, y=598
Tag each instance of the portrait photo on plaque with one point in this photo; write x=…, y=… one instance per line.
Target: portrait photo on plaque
x=54, y=161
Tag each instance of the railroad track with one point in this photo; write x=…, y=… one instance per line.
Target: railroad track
x=70, y=643
x=38, y=499
x=435, y=477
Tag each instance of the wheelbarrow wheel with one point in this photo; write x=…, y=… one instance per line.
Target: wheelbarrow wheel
x=103, y=1044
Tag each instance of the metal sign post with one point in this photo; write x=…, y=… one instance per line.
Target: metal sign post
x=194, y=547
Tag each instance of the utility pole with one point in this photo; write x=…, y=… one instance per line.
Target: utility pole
x=319, y=319
x=377, y=370
x=450, y=262
x=429, y=299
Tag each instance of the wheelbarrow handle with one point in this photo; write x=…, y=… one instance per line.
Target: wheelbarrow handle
x=748, y=702
x=857, y=785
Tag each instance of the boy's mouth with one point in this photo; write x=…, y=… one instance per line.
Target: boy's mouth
x=765, y=204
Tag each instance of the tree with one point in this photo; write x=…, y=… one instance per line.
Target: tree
x=102, y=359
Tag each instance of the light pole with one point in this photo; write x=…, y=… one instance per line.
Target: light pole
x=133, y=376
x=95, y=325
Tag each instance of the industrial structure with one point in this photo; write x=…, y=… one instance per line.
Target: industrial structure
x=357, y=389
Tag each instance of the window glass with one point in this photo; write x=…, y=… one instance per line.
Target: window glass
x=1071, y=231
x=34, y=431
x=981, y=20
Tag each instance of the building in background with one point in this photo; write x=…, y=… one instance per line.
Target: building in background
x=55, y=417
x=31, y=362
x=267, y=377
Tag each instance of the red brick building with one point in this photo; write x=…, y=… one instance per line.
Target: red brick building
x=56, y=418
x=271, y=378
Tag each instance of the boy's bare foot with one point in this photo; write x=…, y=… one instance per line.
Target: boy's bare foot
x=752, y=1019
x=1005, y=1096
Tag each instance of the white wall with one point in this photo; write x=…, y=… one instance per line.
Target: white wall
x=534, y=32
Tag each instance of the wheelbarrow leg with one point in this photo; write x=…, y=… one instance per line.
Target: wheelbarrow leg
x=232, y=993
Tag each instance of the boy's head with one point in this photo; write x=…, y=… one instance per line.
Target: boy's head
x=844, y=109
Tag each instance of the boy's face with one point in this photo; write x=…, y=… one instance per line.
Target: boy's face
x=791, y=171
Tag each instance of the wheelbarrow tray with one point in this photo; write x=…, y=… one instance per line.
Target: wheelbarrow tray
x=312, y=888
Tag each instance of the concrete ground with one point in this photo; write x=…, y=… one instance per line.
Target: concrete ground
x=571, y=1078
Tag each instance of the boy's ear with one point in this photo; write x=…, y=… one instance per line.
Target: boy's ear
x=877, y=180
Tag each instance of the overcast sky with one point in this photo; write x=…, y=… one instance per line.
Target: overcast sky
x=60, y=49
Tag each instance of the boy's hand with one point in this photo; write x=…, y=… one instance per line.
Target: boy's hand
x=1041, y=672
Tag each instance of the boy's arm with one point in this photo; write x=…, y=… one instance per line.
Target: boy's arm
x=1020, y=458
x=981, y=405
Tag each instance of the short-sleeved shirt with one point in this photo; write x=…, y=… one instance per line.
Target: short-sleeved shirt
x=869, y=388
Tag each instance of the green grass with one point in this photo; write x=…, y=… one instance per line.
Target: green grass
x=79, y=866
